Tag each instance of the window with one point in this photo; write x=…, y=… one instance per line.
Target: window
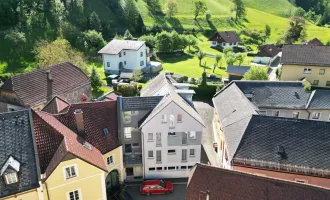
x=108, y=64
x=159, y=168
x=192, y=135
x=125, y=62
x=164, y=118
x=263, y=112
x=230, y=44
x=128, y=132
x=152, y=169
x=301, y=180
x=295, y=115
x=171, y=151
x=158, y=139
x=141, y=54
x=183, y=167
x=105, y=131
x=171, y=121
x=184, y=155
x=124, y=53
x=110, y=160
x=128, y=148
x=276, y=113
x=223, y=44
x=141, y=63
x=74, y=195
x=129, y=171
x=189, y=167
x=150, y=137
x=315, y=82
x=214, y=43
x=307, y=70
x=119, y=54
x=172, y=133
x=328, y=83
x=11, y=178
x=316, y=115
x=192, y=152
x=322, y=71
x=127, y=116
x=158, y=156
x=70, y=172
x=171, y=168
x=179, y=118
x=135, y=145
x=184, y=138
x=150, y=154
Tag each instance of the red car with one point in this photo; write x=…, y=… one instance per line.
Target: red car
x=156, y=187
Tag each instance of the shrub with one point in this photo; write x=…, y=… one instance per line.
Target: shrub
x=208, y=15
x=307, y=87
x=193, y=81
x=278, y=72
x=185, y=79
x=5, y=76
x=204, y=92
x=127, y=90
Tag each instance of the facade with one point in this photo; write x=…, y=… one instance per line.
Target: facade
x=310, y=62
x=267, y=54
x=34, y=89
x=124, y=56
x=224, y=39
x=236, y=72
x=211, y=183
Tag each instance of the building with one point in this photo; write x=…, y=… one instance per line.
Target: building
x=314, y=41
x=308, y=62
x=236, y=72
x=266, y=54
x=124, y=56
x=279, y=145
x=224, y=39
x=19, y=165
x=34, y=89
x=211, y=183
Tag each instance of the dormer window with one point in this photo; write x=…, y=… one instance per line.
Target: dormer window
x=11, y=178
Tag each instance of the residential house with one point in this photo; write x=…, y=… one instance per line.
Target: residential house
x=267, y=53
x=124, y=56
x=314, y=41
x=212, y=183
x=19, y=165
x=34, y=89
x=224, y=39
x=278, y=146
x=308, y=62
x=236, y=72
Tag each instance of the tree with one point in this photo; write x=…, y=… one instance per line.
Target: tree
x=171, y=8
x=230, y=58
x=299, y=12
x=93, y=41
x=200, y=56
x=17, y=39
x=256, y=73
x=191, y=40
x=131, y=13
x=52, y=53
x=95, y=79
x=217, y=60
x=268, y=31
x=296, y=30
x=208, y=15
x=228, y=50
x=58, y=12
x=95, y=22
x=128, y=35
x=70, y=33
x=137, y=75
x=149, y=39
x=240, y=58
x=239, y=9
x=164, y=41
x=204, y=79
x=200, y=8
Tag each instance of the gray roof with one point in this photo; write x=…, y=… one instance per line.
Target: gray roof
x=116, y=46
x=140, y=103
x=237, y=69
x=17, y=141
x=276, y=94
x=306, y=55
x=156, y=87
x=320, y=99
x=306, y=142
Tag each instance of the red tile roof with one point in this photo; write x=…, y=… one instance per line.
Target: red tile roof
x=233, y=185
x=97, y=116
x=56, y=105
x=71, y=143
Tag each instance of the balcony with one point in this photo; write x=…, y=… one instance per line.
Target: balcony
x=133, y=159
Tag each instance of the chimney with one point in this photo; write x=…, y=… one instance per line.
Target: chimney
x=49, y=85
x=78, y=114
x=207, y=194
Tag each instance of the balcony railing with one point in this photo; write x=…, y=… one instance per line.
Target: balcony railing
x=133, y=159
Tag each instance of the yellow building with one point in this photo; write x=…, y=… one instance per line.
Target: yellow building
x=306, y=62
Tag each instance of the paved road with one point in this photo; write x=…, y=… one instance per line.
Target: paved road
x=206, y=110
x=178, y=194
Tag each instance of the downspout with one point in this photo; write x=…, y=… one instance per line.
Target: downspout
x=143, y=165
x=47, y=191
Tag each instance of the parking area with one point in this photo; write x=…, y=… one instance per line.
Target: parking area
x=178, y=194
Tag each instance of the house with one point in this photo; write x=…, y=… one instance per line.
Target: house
x=266, y=54
x=306, y=61
x=314, y=41
x=19, y=167
x=279, y=145
x=34, y=89
x=212, y=183
x=236, y=72
x=224, y=39
x=124, y=56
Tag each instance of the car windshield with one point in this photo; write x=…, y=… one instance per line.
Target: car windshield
x=162, y=183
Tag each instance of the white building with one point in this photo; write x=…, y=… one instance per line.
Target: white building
x=124, y=55
x=224, y=39
x=267, y=54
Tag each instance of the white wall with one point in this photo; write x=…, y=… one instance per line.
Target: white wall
x=114, y=63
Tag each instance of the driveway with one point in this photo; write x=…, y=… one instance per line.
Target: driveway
x=178, y=194
x=206, y=110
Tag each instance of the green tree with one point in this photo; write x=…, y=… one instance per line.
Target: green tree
x=17, y=39
x=217, y=60
x=208, y=15
x=149, y=39
x=171, y=8
x=204, y=79
x=137, y=75
x=200, y=56
x=296, y=30
x=240, y=57
x=268, y=31
x=191, y=40
x=200, y=8
x=93, y=41
x=256, y=73
x=299, y=12
x=131, y=13
x=128, y=35
x=95, y=79
x=58, y=12
x=227, y=50
x=70, y=33
x=164, y=41
x=230, y=58
x=239, y=9
x=95, y=22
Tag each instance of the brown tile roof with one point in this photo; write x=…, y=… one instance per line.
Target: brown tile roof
x=56, y=105
x=97, y=116
x=314, y=41
x=233, y=185
x=268, y=50
x=225, y=36
x=31, y=87
x=54, y=152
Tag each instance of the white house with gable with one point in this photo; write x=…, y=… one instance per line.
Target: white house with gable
x=124, y=56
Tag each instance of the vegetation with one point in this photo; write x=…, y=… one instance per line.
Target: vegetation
x=239, y=9
x=256, y=73
x=95, y=80
x=200, y=8
x=296, y=31
x=128, y=35
x=200, y=56
x=137, y=75
x=127, y=90
x=171, y=8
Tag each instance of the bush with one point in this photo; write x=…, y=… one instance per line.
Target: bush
x=185, y=79
x=307, y=87
x=278, y=72
x=204, y=92
x=127, y=90
x=5, y=76
x=193, y=81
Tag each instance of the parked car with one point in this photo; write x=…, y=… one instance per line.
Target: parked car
x=156, y=187
x=213, y=77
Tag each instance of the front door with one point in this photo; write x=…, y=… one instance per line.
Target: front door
x=114, y=177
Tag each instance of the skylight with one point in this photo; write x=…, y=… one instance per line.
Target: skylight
x=105, y=131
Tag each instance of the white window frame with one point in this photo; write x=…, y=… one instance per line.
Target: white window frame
x=275, y=112
x=158, y=139
x=307, y=71
x=108, y=64
x=113, y=160
x=316, y=118
x=192, y=135
x=125, y=132
x=172, y=121
x=141, y=54
x=152, y=156
x=184, y=155
x=160, y=156
x=150, y=138
x=194, y=152
x=323, y=72
x=70, y=166
x=164, y=119
x=11, y=178
x=318, y=81
x=141, y=62
x=79, y=193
